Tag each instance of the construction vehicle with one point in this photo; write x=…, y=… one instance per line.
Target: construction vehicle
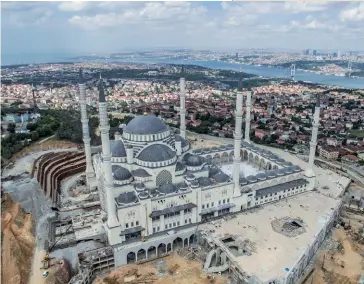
x=46, y=258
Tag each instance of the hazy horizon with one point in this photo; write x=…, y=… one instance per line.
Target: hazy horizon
x=110, y=27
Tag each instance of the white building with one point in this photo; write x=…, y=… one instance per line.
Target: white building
x=156, y=190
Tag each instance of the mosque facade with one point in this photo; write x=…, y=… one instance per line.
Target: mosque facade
x=156, y=190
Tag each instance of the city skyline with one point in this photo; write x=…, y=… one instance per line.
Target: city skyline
x=107, y=27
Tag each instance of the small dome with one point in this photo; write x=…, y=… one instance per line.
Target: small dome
x=195, y=184
x=156, y=153
x=140, y=187
x=145, y=124
x=143, y=194
x=271, y=174
x=127, y=197
x=186, y=156
x=280, y=161
x=167, y=188
x=243, y=181
x=117, y=133
x=204, y=181
x=118, y=149
x=261, y=176
x=221, y=177
x=206, y=150
x=280, y=172
x=214, y=149
x=184, y=142
x=213, y=171
x=296, y=168
x=252, y=178
x=140, y=173
x=180, y=167
x=120, y=173
x=288, y=170
x=197, y=151
x=190, y=177
x=194, y=161
x=182, y=186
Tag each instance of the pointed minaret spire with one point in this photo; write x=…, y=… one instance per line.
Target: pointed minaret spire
x=80, y=76
x=101, y=88
x=90, y=173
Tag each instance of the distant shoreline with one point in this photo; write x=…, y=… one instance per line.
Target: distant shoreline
x=263, y=71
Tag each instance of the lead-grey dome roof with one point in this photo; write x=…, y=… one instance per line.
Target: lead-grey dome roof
x=140, y=173
x=127, y=197
x=221, y=177
x=120, y=173
x=194, y=161
x=204, y=181
x=145, y=124
x=184, y=142
x=167, y=188
x=156, y=153
x=180, y=166
x=118, y=149
x=213, y=171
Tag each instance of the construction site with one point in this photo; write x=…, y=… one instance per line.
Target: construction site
x=307, y=238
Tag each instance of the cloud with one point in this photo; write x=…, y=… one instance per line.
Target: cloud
x=72, y=6
x=150, y=13
x=22, y=14
x=353, y=14
x=301, y=7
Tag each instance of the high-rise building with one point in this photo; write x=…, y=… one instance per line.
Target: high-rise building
x=314, y=52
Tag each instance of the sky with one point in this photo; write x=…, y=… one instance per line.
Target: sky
x=106, y=27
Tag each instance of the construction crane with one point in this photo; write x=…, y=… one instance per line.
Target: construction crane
x=46, y=258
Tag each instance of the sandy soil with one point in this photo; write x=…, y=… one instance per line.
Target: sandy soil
x=202, y=143
x=330, y=271
x=188, y=272
x=17, y=242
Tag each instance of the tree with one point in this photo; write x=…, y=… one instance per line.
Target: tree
x=11, y=127
x=34, y=136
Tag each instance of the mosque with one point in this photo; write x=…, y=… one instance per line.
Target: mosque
x=156, y=190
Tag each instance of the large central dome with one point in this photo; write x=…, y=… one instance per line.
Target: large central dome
x=145, y=124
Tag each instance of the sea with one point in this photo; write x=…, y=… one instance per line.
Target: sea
x=264, y=71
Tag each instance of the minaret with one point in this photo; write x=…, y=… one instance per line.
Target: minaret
x=182, y=111
x=247, y=116
x=316, y=118
x=85, y=128
x=35, y=107
x=106, y=159
x=237, y=137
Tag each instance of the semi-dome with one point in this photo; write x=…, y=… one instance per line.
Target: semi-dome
x=204, y=181
x=140, y=173
x=221, y=177
x=118, y=149
x=194, y=161
x=156, y=153
x=186, y=156
x=145, y=124
x=167, y=188
x=127, y=197
x=120, y=173
x=184, y=142
x=252, y=178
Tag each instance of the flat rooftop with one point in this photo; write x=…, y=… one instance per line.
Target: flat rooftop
x=327, y=182
x=273, y=251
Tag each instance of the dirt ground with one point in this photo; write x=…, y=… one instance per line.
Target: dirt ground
x=17, y=242
x=201, y=143
x=185, y=272
x=329, y=270
x=46, y=145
